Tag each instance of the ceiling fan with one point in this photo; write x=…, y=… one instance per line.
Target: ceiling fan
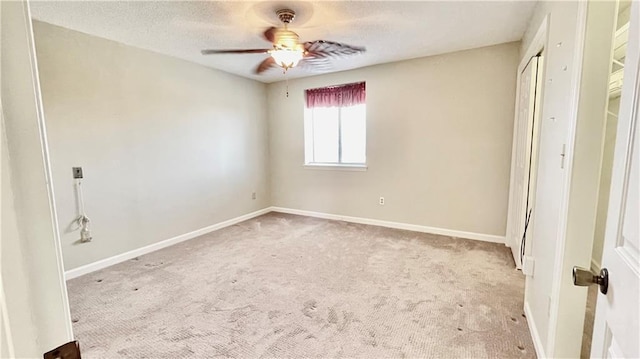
x=288, y=51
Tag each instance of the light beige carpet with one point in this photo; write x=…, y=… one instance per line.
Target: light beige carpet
x=289, y=286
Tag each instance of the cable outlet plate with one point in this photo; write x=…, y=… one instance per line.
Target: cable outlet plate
x=381, y=201
x=77, y=172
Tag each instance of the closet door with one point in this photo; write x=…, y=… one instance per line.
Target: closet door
x=524, y=127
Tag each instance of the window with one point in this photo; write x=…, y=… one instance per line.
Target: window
x=335, y=125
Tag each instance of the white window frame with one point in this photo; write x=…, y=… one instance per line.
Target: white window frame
x=309, y=146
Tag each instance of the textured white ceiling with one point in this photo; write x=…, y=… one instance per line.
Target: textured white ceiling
x=390, y=30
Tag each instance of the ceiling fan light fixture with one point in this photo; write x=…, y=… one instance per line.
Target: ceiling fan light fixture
x=287, y=51
x=287, y=58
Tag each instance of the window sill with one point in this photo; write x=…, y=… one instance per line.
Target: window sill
x=335, y=167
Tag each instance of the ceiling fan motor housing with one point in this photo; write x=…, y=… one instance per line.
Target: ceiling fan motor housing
x=286, y=15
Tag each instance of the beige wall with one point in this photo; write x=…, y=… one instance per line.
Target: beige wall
x=439, y=132
x=167, y=146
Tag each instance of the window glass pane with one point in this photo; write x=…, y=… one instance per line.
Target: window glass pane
x=354, y=134
x=325, y=134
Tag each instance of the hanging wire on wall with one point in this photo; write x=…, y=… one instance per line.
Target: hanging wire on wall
x=82, y=220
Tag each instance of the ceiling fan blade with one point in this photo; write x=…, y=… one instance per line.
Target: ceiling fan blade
x=246, y=51
x=270, y=34
x=265, y=65
x=330, y=49
x=315, y=64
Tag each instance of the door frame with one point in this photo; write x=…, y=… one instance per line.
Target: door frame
x=51, y=322
x=46, y=159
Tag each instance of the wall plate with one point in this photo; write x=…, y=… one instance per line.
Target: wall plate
x=77, y=172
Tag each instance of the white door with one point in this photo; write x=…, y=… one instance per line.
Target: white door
x=616, y=330
x=525, y=122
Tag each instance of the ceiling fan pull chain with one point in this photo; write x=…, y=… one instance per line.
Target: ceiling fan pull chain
x=286, y=79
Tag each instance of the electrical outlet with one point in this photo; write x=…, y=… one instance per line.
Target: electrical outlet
x=77, y=172
x=381, y=202
x=253, y=195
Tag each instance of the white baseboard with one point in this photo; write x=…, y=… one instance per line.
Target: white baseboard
x=410, y=227
x=535, y=335
x=107, y=262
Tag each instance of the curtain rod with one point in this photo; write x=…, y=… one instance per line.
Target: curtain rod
x=336, y=86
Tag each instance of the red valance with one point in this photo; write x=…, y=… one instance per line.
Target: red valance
x=336, y=96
